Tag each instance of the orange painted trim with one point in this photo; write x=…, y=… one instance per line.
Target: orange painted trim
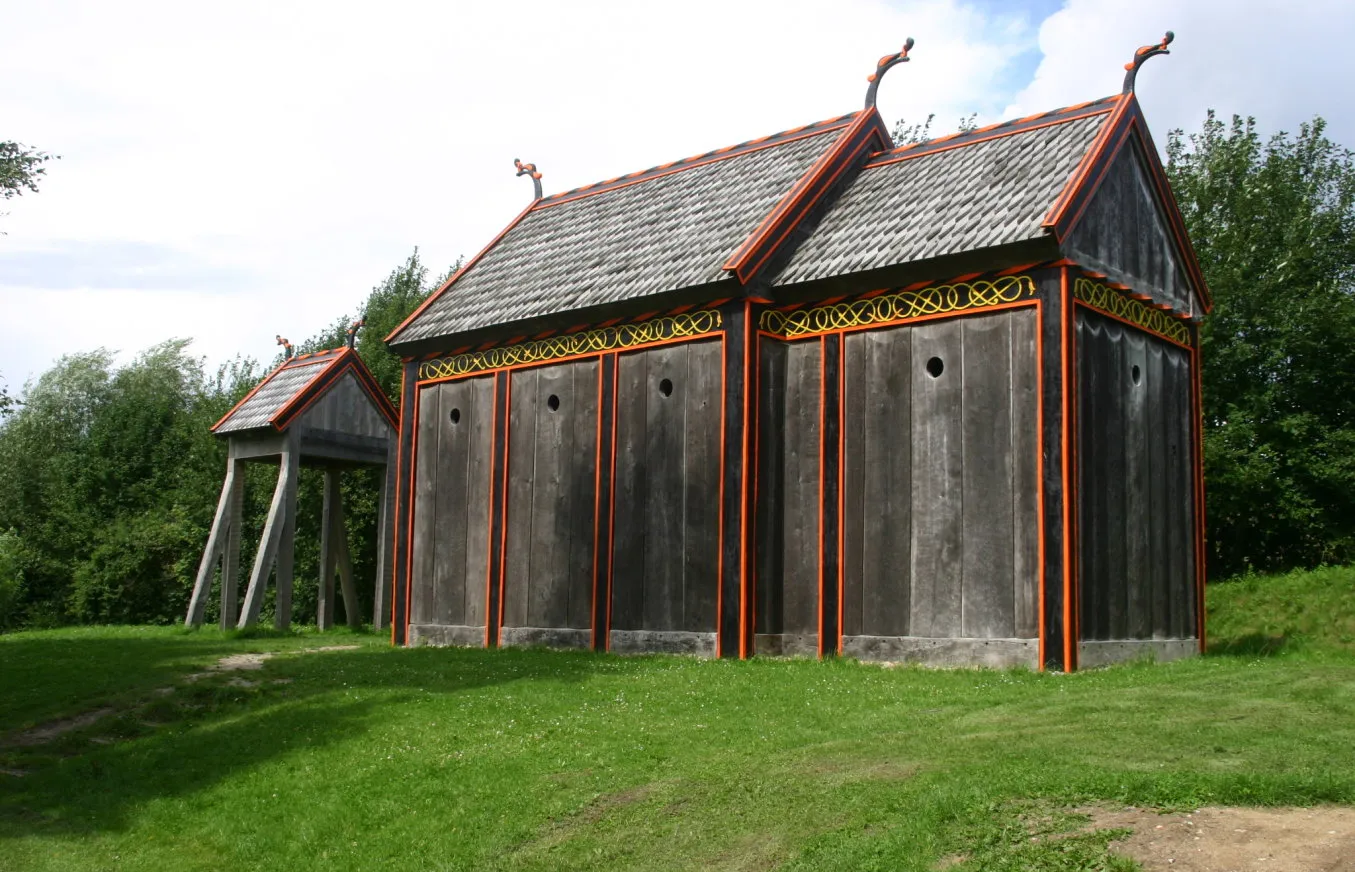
x=597, y=512
x=1201, y=553
x=611, y=508
x=748, y=400
x=1136, y=327
x=1069, y=634
x=757, y=466
x=755, y=145
x=823, y=413
x=888, y=158
x=841, y=486
x=1039, y=473
x=433, y=297
x=1070, y=190
x=507, y=468
x=395, y=519
x=965, y=313
x=489, y=503
x=709, y=334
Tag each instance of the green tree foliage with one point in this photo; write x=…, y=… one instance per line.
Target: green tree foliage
x=1273, y=222
x=911, y=134
x=20, y=168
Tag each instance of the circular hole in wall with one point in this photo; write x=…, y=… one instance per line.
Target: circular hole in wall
x=935, y=367
x=1136, y=374
x=455, y=416
x=553, y=403
x=666, y=387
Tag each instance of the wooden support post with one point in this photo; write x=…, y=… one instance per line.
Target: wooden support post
x=282, y=605
x=284, y=502
x=216, y=543
x=230, y=561
x=385, y=539
x=352, y=610
x=324, y=612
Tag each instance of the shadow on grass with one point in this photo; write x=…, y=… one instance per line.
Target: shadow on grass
x=172, y=745
x=1252, y=645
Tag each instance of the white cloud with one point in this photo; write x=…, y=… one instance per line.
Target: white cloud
x=302, y=149
x=1280, y=62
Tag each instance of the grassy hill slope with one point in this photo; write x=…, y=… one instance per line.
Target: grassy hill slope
x=370, y=758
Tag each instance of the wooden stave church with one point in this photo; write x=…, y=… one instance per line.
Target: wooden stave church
x=666, y=407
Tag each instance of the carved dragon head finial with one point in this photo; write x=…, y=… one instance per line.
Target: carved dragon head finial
x=881, y=67
x=286, y=347
x=352, y=332
x=529, y=169
x=1143, y=54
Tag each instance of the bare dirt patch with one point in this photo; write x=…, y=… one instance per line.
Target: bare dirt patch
x=44, y=733
x=1320, y=839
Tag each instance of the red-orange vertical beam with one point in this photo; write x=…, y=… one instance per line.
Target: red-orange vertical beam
x=1201, y=555
x=1070, y=632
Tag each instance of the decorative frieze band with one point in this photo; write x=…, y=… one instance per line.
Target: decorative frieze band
x=898, y=306
x=620, y=336
x=1112, y=302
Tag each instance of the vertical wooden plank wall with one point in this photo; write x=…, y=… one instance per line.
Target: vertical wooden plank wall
x=1137, y=491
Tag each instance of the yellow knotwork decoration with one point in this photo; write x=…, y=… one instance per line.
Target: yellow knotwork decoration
x=688, y=324
x=1107, y=300
x=899, y=306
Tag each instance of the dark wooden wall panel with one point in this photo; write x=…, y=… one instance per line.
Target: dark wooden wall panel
x=1136, y=541
x=988, y=556
x=1025, y=384
x=451, y=522
x=552, y=482
x=665, y=546
x=771, y=467
x=937, y=485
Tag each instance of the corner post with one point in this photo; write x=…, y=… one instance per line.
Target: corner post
x=403, y=506
x=385, y=538
x=216, y=544
x=1058, y=584
x=733, y=638
x=286, y=547
x=324, y=611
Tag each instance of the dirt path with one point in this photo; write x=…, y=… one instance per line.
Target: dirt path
x=1320, y=839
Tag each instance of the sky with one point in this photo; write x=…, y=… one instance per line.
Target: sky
x=229, y=172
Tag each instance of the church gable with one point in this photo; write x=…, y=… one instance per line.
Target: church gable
x=1124, y=232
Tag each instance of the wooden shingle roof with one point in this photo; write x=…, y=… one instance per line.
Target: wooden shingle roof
x=951, y=195
x=294, y=385
x=663, y=229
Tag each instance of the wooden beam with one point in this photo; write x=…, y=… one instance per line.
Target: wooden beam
x=324, y=612
x=284, y=497
x=352, y=611
x=385, y=540
x=216, y=540
x=230, y=562
x=282, y=605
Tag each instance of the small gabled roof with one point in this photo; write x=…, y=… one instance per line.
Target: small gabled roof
x=297, y=383
x=954, y=194
x=666, y=228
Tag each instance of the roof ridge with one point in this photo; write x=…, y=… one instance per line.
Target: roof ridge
x=999, y=129
x=711, y=156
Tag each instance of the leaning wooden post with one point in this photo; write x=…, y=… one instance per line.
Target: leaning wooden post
x=385, y=540
x=350, y=593
x=216, y=542
x=324, y=612
x=284, y=497
x=282, y=606
x=230, y=562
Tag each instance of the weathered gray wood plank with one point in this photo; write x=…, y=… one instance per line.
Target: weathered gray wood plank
x=523, y=410
x=804, y=401
x=1025, y=475
x=887, y=488
x=216, y=544
x=664, y=531
x=937, y=510
x=701, y=506
x=324, y=606
x=1137, y=471
x=283, y=499
x=449, y=549
x=628, y=543
x=581, y=493
x=423, y=591
x=478, y=419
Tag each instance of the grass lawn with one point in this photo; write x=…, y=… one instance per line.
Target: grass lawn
x=371, y=758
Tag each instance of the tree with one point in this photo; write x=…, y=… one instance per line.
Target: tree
x=20, y=167
x=1273, y=223
x=911, y=134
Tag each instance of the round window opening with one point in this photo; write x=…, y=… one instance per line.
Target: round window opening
x=455, y=416
x=553, y=403
x=1136, y=374
x=666, y=387
x=935, y=367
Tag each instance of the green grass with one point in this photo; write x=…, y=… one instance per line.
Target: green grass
x=377, y=758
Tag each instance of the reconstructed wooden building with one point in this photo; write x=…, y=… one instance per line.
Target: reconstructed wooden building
x=813, y=393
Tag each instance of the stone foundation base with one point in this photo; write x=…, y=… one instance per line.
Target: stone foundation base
x=446, y=634
x=1093, y=654
x=992, y=653
x=786, y=645
x=524, y=637
x=661, y=642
